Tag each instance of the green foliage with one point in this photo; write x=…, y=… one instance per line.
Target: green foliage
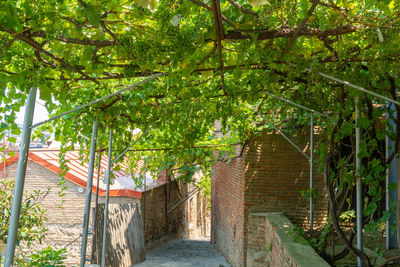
x=348, y=216
x=297, y=235
x=78, y=51
x=306, y=194
x=30, y=227
x=319, y=243
x=47, y=257
x=205, y=184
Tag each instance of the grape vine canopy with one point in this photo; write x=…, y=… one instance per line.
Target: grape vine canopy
x=215, y=59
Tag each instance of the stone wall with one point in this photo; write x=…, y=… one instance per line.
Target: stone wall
x=273, y=242
x=268, y=177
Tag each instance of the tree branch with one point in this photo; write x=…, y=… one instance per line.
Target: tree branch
x=242, y=8
x=61, y=38
x=38, y=47
x=220, y=36
x=297, y=31
x=306, y=31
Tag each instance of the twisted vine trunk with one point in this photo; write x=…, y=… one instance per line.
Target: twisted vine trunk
x=333, y=208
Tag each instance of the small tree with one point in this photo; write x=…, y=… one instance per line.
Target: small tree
x=30, y=227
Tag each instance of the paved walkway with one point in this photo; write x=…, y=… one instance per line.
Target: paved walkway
x=184, y=253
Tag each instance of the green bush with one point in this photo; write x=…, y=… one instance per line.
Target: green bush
x=47, y=257
x=32, y=217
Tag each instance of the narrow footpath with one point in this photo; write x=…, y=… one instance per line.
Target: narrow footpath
x=184, y=253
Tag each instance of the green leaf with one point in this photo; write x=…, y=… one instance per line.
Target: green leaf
x=45, y=92
x=93, y=15
x=257, y=3
x=392, y=186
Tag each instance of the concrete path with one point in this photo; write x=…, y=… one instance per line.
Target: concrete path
x=184, y=253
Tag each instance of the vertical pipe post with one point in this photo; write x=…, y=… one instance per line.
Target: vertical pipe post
x=144, y=203
x=20, y=178
x=95, y=204
x=4, y=156
x=359, y=214
x=108, y=175
x=387, y=202
x=88, y=192
x=166, y=206
x=311, y=172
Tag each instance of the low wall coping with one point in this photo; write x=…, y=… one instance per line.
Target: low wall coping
x=303, y=254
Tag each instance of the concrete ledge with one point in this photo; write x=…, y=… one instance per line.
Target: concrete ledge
x=283, y=246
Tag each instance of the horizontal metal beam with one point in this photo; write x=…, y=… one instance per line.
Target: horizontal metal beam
x=129, y=147
x=285, y=136
x=183, y=200
x=359, y=88
x=295, y=104
x=97, y=100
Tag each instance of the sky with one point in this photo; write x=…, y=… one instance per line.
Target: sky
x=39, y=115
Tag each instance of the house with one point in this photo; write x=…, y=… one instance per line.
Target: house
x=65, y=207
x=267, y=177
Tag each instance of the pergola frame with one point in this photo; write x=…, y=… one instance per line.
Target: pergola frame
x=22, y=163
x=24, y=149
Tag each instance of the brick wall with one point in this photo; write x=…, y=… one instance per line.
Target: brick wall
x=273, y=242
x=159, y=224
x=227, y=210
x=268, y=177
x=275, y=173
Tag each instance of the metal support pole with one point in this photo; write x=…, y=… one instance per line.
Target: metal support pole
x=4, y=156
x=295, y=104
x=286, y=137
x=129, y=147
x=95, y=204
x=98, y=100
x=144, y=203
x=311, y=172
x=20, y=178
x=108, y=175
x=88, y=192
x=387, y=201
x=359, y=88
x=359, y=214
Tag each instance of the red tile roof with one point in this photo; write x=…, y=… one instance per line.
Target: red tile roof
x=122, y=185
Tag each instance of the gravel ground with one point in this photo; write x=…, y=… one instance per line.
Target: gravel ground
x=185, y=252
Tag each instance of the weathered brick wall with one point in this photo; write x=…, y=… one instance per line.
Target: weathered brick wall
x=275, y=173
x=256, y=245
x=227, y=210
x=159, y=224
x=273, y=242
x=125, y=241
x=268, y=177
x=65, y=213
